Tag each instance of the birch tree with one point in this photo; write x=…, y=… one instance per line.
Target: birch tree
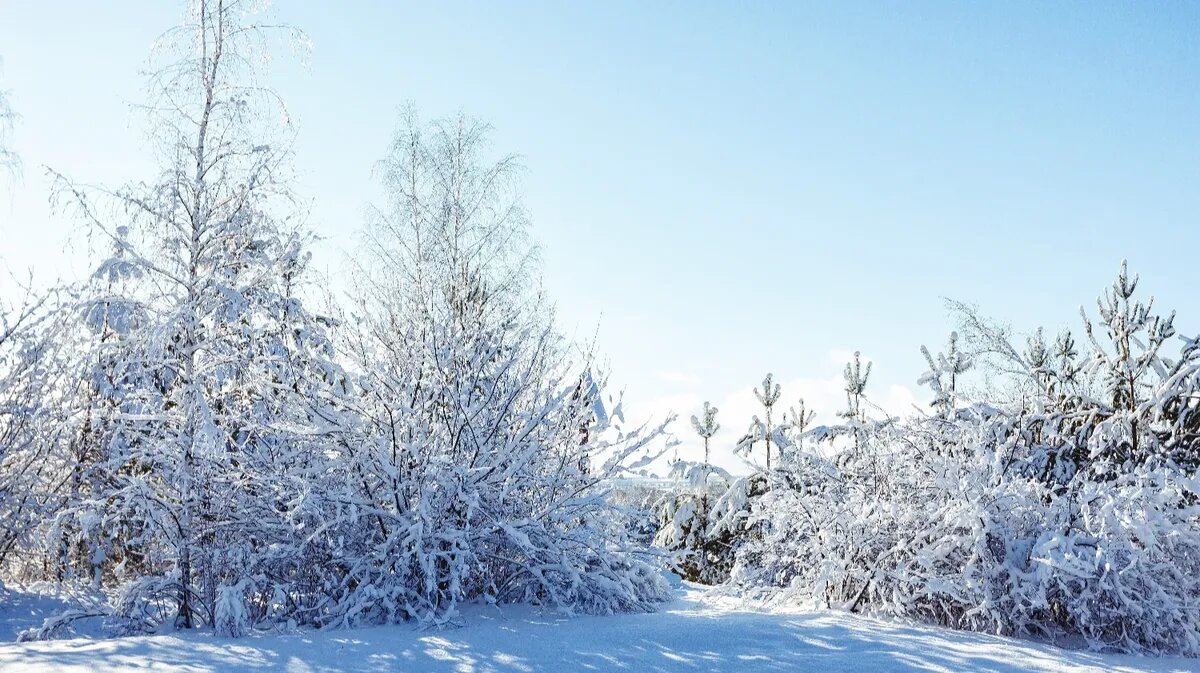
x=217, y=394
x=480, y=467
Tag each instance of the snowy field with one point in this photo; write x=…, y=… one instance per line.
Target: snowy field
x=695, y=633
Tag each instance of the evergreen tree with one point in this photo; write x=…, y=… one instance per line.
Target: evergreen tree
x=687, y=517
x=944, y=373
x=856, y=377
x=706, y=427
x=767, y=397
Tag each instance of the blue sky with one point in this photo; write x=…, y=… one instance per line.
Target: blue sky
x=724, y=189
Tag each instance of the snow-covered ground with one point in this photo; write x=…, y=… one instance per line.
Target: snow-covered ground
x=695, y=633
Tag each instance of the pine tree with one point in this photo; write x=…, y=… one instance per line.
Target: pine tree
x=706, y=427
x=856, y=377
x=797, y=420
x=689, y=517
x=1135, y=335
x=944, y=374
x=767, y=397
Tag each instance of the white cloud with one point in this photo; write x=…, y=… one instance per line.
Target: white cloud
x=678, y=377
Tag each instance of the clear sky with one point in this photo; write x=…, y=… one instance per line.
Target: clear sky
x=724, y=189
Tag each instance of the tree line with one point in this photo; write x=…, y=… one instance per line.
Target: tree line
x=1052, y=494
x=197, y=435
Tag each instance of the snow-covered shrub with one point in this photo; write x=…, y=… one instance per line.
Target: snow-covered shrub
x=690, y=523
x=958, y=537
x=1124, y=573
x=695, y=523
x=639, y=499
x=61, y=625
x=231, y=616
x=1070, y=507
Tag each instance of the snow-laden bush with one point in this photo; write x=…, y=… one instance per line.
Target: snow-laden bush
x=694, y=524
x=231, y=615
x=1073, y=511
x=961, y=538
x=1126, y=571
x=704, y=519
x=639, y=500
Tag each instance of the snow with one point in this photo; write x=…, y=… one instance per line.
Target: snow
x=20, y=610
x=696, y=632
x=38, y=602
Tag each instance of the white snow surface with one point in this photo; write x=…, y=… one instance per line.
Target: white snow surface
x=696, y=632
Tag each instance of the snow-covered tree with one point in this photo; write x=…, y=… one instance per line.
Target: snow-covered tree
x=702, y=553
x=944, y=373
x=214, y=457
x=479, y=468
x=212, y=394
x=759, y=429
x=797, y=421
x=767, y=397
x=856, y=377
x=33, y=421
x=706, y=426
x=100, y=381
